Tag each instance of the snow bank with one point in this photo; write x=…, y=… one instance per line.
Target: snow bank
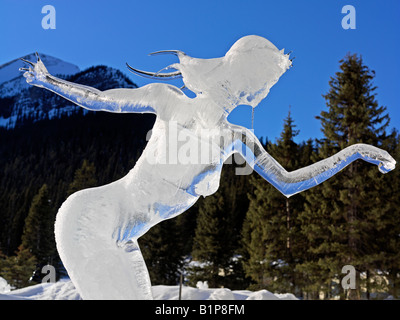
x=65, y=290
x=4, y=286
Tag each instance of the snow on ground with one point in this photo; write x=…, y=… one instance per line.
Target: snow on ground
x=65, y=290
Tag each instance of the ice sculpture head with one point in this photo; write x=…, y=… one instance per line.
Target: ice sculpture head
x=243, y=76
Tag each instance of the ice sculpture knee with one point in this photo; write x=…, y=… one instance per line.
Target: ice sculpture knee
x=97, y=229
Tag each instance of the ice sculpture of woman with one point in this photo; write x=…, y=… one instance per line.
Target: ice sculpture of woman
x=97, y=229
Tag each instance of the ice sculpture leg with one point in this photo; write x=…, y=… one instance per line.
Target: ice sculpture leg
x=96, y=234
x=97, y=265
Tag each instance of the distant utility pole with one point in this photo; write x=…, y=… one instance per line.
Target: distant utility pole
x=180, y=286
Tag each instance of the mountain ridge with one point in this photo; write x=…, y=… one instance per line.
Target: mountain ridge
x=11, y=79
x=21, y=102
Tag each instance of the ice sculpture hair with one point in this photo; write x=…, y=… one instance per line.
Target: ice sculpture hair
x=243, y=76
x=97, y=229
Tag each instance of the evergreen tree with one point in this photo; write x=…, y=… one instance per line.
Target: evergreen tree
x=217, y=242
x=339, y=221
x=18, y=269
x=85, y=177
x=388, y=226
x=163, y=252
x=271, y=231
x=234, y=187
x=208, y=242
x=38, y=234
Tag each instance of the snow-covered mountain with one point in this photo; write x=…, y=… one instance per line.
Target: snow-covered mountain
x=12, y=81
x=20, y=102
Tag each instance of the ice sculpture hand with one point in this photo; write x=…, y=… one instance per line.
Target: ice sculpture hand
x=97, y=230
x=387, y=163
x=371, y=154
x=36, y=73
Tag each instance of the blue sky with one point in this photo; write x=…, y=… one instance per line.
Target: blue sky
x=114, y=32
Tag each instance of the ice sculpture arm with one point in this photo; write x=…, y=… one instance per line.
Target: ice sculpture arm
x=116, y=100
x=290, y=183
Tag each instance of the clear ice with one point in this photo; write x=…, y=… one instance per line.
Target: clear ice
x=97, y=229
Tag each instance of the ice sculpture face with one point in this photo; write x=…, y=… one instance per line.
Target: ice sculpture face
x=97, y=229
x=243, y=76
